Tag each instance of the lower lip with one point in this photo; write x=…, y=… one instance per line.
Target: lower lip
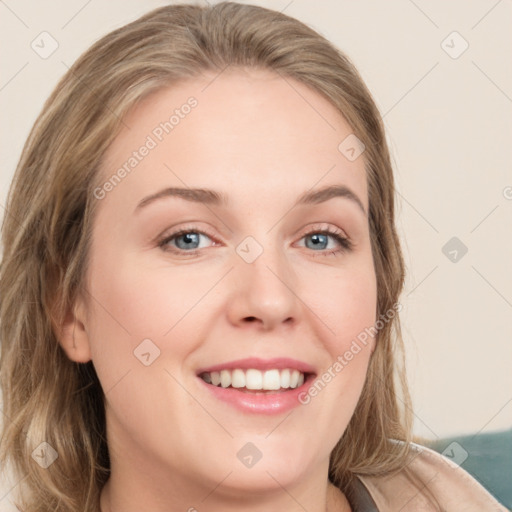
x=260, y=403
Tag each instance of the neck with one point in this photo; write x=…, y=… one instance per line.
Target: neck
x=330, y=500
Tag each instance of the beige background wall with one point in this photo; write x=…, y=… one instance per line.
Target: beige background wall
x=448, y=116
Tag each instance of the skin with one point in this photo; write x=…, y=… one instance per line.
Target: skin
x=263, y=143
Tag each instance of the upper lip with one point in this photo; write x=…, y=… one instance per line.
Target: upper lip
x=280, y=363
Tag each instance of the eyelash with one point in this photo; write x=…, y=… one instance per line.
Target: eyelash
x=345, y=244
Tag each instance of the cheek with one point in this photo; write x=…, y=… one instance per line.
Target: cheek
x=132, y=305
x=345, y=302
x=347, y=309
x=136, y=299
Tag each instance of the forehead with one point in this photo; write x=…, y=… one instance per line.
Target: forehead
x=237, y=129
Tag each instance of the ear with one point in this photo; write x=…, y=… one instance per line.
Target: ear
x=72, y=333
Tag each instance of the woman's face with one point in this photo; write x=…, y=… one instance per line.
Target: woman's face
x=252, y=275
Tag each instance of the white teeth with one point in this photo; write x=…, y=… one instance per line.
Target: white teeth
x=271, y=379
x=225, y=378
x=294, y=379
x=285, y=378
x=237, y=379
x=253, y=379
x=215, y=378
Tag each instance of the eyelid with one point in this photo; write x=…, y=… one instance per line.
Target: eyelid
x=184, y=229
x=321, y=228
x=335, y=232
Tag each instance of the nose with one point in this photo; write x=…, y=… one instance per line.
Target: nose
x=265, y=293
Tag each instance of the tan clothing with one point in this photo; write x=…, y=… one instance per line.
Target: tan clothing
x=431, y=482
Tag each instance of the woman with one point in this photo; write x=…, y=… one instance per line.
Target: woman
x=201, y=280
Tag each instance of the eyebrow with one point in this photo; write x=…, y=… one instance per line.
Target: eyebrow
x=214, y=198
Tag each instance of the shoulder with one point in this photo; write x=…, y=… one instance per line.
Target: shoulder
x=430, y=482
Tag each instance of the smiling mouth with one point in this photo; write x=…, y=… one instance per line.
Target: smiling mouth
x=255, y=381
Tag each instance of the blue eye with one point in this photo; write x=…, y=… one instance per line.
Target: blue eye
x=320, y=242
x=187, y=241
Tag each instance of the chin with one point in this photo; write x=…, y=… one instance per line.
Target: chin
x=261, y=478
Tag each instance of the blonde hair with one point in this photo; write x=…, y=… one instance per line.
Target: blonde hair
x=49, y=217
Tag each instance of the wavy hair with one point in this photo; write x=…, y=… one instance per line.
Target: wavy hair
x=47, y=227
